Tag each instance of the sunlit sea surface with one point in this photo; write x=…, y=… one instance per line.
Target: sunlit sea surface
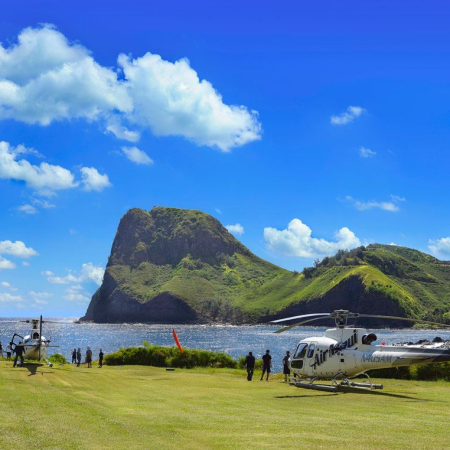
x=234, y=340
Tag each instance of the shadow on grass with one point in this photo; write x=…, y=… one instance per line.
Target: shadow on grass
x=342, y=390
x=331, y=394
x=33, y=367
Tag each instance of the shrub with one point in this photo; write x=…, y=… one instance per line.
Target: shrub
x=398, y=373
x=57, y=358
x=438, y=371
x=424, y=372
x=153, y=355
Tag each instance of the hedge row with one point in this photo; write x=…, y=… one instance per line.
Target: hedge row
x=153, y=355
x=427, y=372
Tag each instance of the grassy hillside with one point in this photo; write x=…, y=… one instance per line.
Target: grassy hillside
x=183, y=265
x=148, y=408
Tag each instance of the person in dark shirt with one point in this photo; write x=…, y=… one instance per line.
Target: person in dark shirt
x=19, y=351
x=250, y=365
x=100, y=358
x=74, y=356
x=267, y=365
x=286, y=369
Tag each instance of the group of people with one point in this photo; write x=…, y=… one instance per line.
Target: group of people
x=18, y=349
x=76, y=357
x=267, y=365
x=8, y=351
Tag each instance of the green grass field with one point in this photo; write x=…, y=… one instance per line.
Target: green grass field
x=144, y=408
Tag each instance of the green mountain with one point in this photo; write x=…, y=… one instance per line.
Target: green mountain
x=181, y=266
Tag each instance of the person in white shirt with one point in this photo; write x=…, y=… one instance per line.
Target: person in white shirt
x=8, y=352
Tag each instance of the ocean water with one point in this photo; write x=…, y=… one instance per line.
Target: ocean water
x=234, y=340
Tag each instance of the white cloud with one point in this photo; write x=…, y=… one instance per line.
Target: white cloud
x=6, y=297
x=39, y=298
x=440, y=247
x=347, y=116
x=44, y=204
x=9, y=286
x=296, y=240
x=17, y=248
x=45, y=78
x=73, y=232
x=27, y=209
x=218, y=210
x=123, y=133
x=397, y=198
x=47, y=273
x=137, y=156
x=366, y=152
x=62, y=280
x=39, y=302
x=25, y=263
x=35, y=295
x=76, y=294
x=235, y=229
x=93, y=181
x=170, y=99
x=88, y=272
x=365, y=206
x=42, y=177
x=45, y=178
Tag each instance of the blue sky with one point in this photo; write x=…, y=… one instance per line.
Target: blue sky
x=320, y=125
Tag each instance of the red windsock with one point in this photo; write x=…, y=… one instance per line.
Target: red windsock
x=176, y=340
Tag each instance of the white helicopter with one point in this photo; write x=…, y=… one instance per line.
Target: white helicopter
x=35, y=345
x=346, y=352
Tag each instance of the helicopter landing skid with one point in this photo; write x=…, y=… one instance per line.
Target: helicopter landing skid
x=335, y=386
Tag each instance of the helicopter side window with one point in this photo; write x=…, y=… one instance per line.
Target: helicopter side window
x=301, y=350
x=35, y=335
x=311, y=351
x=367, y=339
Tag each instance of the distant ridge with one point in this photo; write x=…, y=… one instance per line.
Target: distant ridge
x=170, y=265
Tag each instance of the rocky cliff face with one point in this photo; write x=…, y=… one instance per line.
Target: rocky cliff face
x=160, y=238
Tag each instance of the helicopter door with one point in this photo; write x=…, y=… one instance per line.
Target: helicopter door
x=310, y=358
x=300, y=352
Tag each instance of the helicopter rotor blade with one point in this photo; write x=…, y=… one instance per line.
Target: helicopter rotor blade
x=282, y=330
x=299, y=317
x=403, y=318
x=24, y=321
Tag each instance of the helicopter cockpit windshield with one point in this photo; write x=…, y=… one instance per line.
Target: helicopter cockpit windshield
x=301, y=351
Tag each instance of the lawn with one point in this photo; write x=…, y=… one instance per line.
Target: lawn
x=137, y=407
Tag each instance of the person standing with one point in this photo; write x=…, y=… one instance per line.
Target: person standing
x=89, y=357
x=19, y=351
x=100, y=358
x=8, y=352
x=267, y=365
x=78, y=357
x=250, y=365
x=1, y=350
x=286, y=370
x=74, y=356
